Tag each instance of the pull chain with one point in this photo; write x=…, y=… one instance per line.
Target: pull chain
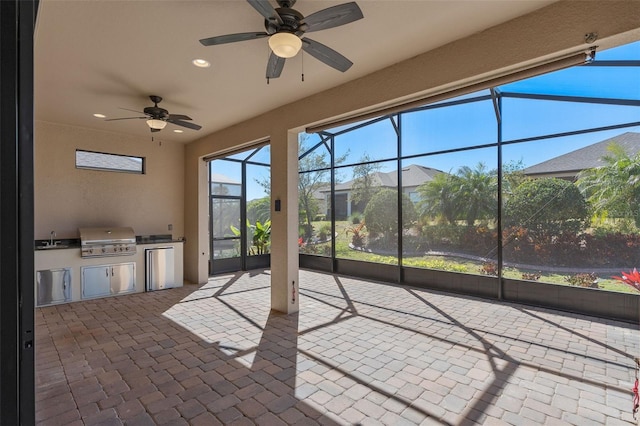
x=268, y=54
x=302, y=62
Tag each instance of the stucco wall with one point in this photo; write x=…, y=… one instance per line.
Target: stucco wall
x=67, y=198
x=556, y=29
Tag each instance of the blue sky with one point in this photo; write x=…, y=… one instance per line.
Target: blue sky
x=472, y=124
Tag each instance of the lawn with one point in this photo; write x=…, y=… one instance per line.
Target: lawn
x=343, y=251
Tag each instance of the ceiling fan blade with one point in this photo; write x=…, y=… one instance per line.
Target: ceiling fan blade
x=126, y=118
x=266, y=9
x=232, y=38
x=154, y=130
x=178, y=117
x=132, y=110
x=184, y=124
x=333, y=17
x=275, y=66
x=326, y=54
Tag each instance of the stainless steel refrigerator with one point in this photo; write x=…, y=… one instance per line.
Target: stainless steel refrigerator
x=160, y=272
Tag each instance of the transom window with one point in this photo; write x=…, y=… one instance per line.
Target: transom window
x=109, y=162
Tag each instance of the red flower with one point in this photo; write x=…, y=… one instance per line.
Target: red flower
x=630, y=278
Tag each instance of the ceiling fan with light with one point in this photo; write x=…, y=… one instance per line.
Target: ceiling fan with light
x=157, y=118
x=286, y=28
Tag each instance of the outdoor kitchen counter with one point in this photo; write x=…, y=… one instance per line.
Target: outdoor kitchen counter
x=70, y=258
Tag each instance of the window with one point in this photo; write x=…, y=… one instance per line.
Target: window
x=109, y=162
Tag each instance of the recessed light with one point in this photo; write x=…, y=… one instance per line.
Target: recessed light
x=99, y=116
x=201, y=63
x=177, y=131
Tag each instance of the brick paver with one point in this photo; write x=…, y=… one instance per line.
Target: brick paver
x=358, y=352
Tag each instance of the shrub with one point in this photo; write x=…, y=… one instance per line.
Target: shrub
x=355, y=218
x=306, y=231
x=489, y=268
x=583, y=280
x=380, y=214
x=547, y=207
x=324, y=232
x=535, y=276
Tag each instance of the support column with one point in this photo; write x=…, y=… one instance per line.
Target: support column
x=284, y=223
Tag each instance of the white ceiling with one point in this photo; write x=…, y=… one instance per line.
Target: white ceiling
x=98, y=56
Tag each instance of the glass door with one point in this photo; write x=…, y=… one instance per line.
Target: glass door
x=240, y=211
x=225, y=215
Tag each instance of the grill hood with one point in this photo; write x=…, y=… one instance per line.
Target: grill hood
x=103, y=241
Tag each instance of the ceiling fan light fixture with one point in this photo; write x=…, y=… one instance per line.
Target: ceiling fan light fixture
x=285, y=45
x=156, y=124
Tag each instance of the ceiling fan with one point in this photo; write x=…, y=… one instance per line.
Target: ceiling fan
x=286, y=27
x=157, y=118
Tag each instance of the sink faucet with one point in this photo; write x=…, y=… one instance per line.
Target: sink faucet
x=52, y=235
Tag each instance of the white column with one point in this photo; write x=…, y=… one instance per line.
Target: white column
x=284, y=223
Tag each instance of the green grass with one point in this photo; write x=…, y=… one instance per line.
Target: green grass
x=605, y=282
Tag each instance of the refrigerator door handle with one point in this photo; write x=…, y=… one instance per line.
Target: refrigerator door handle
x=149, y=269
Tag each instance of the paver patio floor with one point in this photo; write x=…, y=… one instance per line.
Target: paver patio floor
x=358, y=352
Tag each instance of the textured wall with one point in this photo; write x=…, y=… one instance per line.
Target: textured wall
x=67, y=198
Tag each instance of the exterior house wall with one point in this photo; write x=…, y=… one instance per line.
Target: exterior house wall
x=67, y=198
x=545, y=33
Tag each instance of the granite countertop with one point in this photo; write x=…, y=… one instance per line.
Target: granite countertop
x=157, y=239
x=74, y=243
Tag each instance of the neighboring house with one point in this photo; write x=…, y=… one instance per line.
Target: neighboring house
x=568, y=166
x=224, y=185
x=412, y=177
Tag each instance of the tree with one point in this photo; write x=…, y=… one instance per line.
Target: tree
x=512, y=176
x=365, y=185
x=547, y=207
x=380, y=217
x=259, y=210
x=314, y=168
x=313, y=175
x=614, y=189
x=438, y=198
x=478, y=192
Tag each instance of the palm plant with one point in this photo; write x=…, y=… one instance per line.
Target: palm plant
x=479, y=190
x=439, y=198
x=614, y=188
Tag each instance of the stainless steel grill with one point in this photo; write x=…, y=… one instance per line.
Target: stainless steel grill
x=99, y=242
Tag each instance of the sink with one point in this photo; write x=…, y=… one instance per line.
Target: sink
x=52, y=246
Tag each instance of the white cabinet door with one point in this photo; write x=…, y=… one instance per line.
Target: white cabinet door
x=95, y=281
x=105, y=280
x=123, y=278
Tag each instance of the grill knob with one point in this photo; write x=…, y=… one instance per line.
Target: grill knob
x=104, y=250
